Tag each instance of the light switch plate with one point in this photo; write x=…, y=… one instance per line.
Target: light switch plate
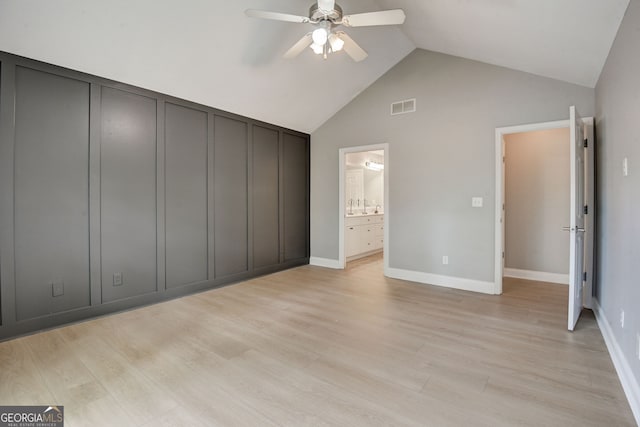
x=476, y=202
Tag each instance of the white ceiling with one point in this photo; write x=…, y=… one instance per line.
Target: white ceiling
x=207, y=51
x=563, y=39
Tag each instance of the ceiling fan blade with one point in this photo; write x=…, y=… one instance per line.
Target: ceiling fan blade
x=351, y=47
x=384, y=17
x=276, y=16
x=326, y=5
x=300, y=45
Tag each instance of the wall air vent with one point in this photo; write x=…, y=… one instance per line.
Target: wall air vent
x=402, y=107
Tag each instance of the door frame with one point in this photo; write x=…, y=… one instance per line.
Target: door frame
x=500, y=190
x=342, y=152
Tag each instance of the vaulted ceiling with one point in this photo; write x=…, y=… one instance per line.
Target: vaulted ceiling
x=207, y=51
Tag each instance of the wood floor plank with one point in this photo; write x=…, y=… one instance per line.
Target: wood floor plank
x=20, y=380
x=315, y=346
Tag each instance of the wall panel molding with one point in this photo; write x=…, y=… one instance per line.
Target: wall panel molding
x=171, y=201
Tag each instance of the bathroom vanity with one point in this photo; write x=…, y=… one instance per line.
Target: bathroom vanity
x=364, y=235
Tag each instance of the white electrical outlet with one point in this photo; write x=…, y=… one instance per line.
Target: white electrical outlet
x=625, y=167
x=476, y=202
x=445, y=259
x=622, y=318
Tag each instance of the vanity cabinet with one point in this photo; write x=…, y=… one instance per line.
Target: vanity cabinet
x=364, y=235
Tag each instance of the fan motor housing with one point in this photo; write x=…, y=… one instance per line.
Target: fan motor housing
x=316, y=14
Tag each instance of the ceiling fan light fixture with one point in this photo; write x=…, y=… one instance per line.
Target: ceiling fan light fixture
x=318, y=49
x=336, y=43
x=319, y=36
x=326, y=16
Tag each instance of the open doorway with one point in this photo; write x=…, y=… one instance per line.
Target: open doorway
x=363, y=206
x=537, y=183
x=578, y=225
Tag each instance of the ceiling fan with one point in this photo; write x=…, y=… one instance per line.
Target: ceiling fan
x=326, y=15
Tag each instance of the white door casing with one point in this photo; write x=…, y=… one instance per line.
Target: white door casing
x=588, y=199
x=499, y=243
x=342, y=205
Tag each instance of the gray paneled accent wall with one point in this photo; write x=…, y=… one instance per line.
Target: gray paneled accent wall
x=128, y=189
x=51, y=200
x=266, y=203
x=112, y=196
x=186, y=195
x=296, y=195
x=1, y=152
x=230, y=181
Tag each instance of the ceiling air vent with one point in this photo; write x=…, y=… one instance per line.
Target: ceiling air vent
x=402, y=107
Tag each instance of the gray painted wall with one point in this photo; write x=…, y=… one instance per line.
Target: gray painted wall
x=112, y=196
x=537, y=189
x=439, y=157
x=52, y=193
x=618, y=227
x=186, y=214
x=128, y=193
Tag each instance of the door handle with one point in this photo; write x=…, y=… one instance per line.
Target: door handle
x=579, y=229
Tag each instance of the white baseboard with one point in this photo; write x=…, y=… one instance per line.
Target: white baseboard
x=325, y=262
x=627, y=379
x=364, y=255
x=438, y=280
x=539, y=276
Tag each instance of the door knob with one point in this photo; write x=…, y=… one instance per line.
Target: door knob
x=579, y=229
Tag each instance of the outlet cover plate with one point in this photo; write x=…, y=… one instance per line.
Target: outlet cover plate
x=57, y=288
x=117, y=279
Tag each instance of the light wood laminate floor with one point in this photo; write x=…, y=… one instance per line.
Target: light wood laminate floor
x=314, y=346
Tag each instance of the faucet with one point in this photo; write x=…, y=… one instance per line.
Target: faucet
x=364, y=206
x=377, y=208
x=350, y=207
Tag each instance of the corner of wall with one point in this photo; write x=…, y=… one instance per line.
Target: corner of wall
x=627, y=379
x=325, y=262
x=439, y=280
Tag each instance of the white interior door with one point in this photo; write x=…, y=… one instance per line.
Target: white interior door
x=576, y=228
x=589, y=220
